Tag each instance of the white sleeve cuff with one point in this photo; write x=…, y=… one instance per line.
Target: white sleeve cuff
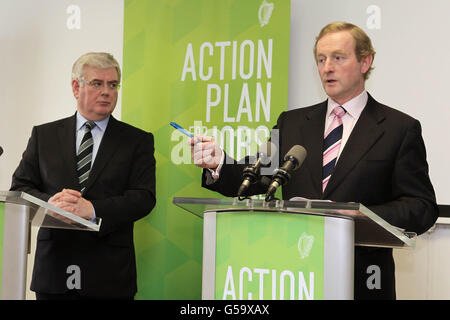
x=213, y=175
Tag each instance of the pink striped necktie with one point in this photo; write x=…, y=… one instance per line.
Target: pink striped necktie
x=331, y=145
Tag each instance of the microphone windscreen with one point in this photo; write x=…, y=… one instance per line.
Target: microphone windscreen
x=298, y=153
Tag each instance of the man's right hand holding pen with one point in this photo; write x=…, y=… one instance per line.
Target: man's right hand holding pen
x=206, y=152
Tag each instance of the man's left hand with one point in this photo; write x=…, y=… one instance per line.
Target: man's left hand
x=72, y=201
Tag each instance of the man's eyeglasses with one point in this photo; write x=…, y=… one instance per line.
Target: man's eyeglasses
x=98, y=84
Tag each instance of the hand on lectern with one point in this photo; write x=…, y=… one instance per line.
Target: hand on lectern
x=72, y=201
x=351, y=212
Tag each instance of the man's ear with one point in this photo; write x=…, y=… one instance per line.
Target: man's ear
x=76, y=88
x=366, y=62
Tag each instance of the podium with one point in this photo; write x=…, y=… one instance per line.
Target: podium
x=254, y=249
x=21, y=211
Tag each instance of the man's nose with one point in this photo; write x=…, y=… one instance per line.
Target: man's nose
x=328, y=65
x=105, y=90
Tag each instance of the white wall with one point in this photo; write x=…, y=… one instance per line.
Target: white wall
x=411, y=70
x=422, y=273
x=39, y=42
x=411, y=65
x=37, y=49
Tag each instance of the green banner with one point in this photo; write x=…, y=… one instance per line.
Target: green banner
x=215, y=67
x=262, y=255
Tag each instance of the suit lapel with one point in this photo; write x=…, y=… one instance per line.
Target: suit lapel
x=108, y=146
x=67, y=138
x=313, y=142
x=364, y=135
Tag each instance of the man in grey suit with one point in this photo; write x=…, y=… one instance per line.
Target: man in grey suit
x=94, y=166
x=358, y=150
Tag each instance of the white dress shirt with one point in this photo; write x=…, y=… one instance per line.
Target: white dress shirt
x=354, y=108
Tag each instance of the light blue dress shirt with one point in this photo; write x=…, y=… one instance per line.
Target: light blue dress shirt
x=97, y=135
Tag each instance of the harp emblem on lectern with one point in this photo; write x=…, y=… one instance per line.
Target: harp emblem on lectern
x=265, y=13
x=305, y=244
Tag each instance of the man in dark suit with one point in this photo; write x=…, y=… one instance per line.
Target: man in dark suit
x=378, y=159
x=115, y=181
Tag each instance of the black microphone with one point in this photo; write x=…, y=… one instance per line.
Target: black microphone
x=292, y=161
x=1, y=151
x=251, y=173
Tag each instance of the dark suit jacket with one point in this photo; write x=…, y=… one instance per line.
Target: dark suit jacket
x=383, y=166
x=121, y=188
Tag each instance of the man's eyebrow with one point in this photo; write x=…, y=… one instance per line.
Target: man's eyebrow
x=111, y=81
x=339, y=52
x=333, y=52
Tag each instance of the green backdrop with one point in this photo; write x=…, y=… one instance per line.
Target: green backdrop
x=216, y=65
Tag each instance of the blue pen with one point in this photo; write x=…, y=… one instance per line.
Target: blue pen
x=178, y=127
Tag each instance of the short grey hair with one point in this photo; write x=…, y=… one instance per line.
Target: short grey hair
x=100, y=60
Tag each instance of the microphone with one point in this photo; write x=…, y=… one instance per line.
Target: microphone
x=292, y=161
x=251, y=173
x=1, y=151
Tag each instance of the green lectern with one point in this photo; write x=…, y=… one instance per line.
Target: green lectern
x=304, y=249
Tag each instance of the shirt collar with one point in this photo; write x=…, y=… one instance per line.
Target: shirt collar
x=102, y=124
x=354, y=107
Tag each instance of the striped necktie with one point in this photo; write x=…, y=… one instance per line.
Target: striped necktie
x=84, y=156
x=331, y=145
